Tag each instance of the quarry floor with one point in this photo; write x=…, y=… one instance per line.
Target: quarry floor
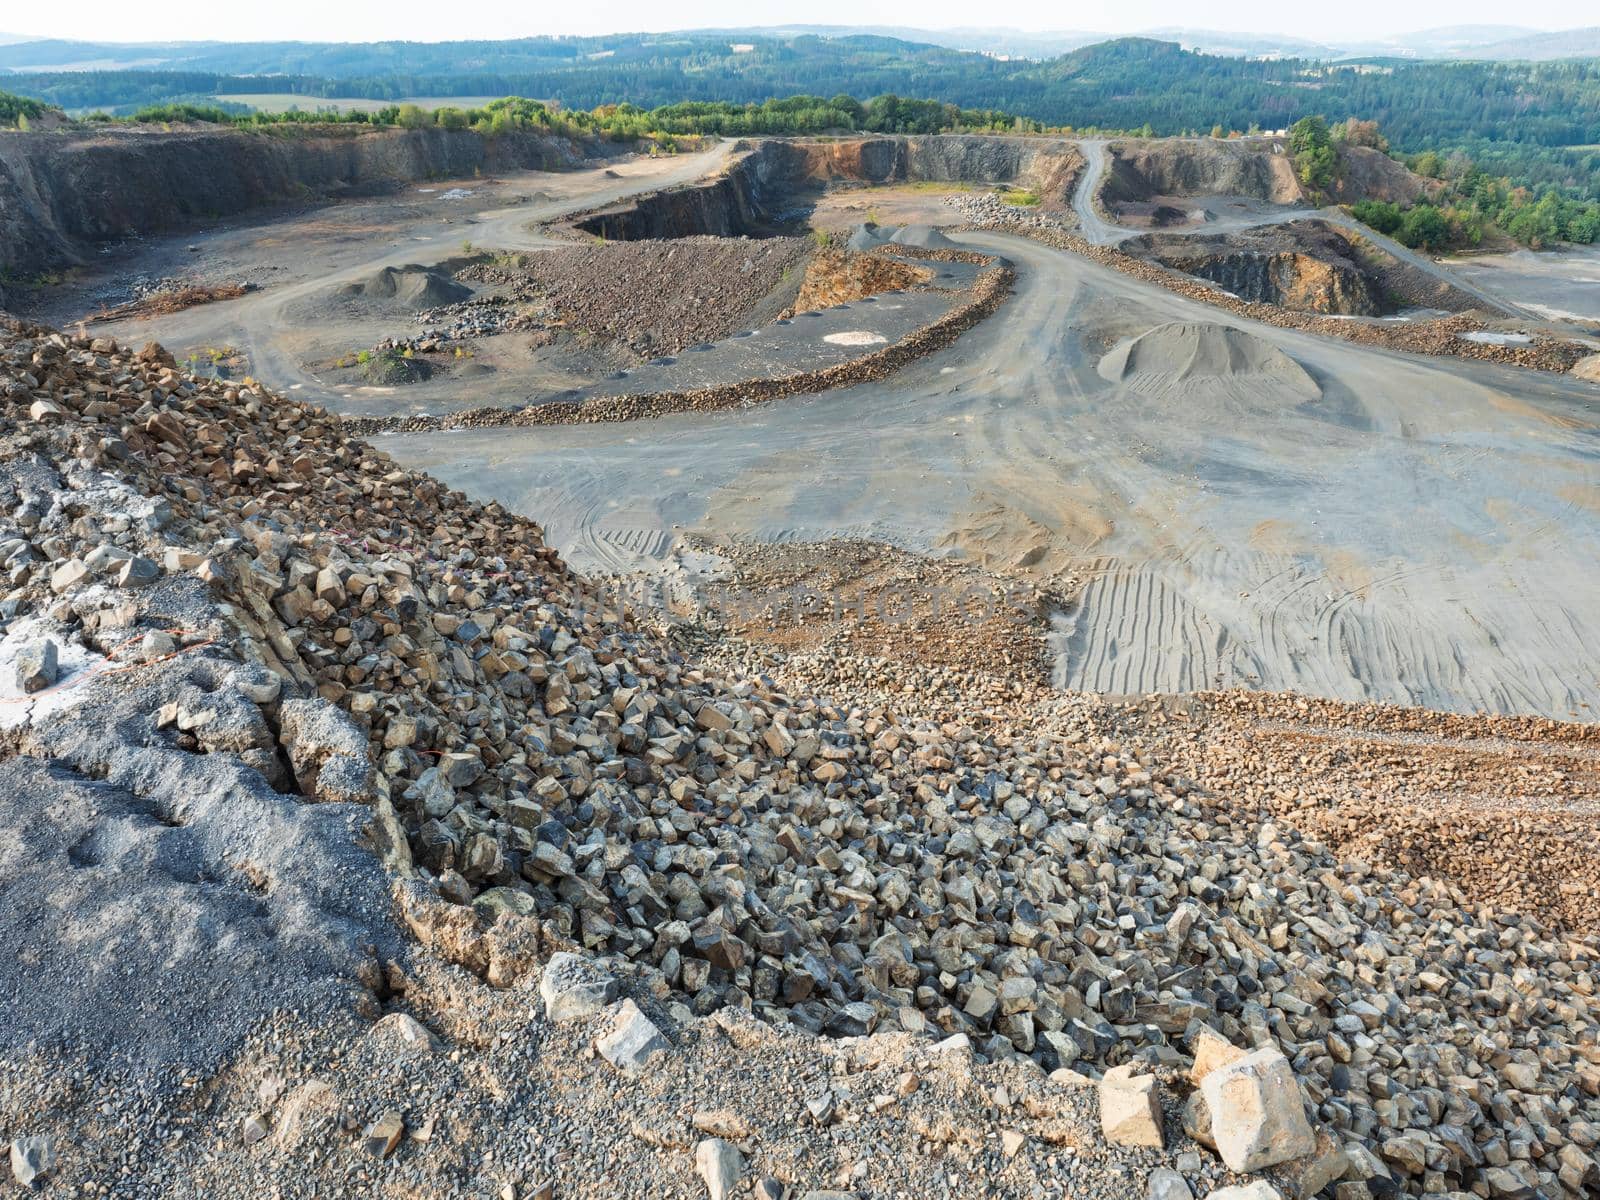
x=1427, y=533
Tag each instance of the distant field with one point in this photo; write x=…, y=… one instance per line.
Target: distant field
x=277, y=102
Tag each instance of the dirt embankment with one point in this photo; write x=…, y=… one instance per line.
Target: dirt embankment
x=1367, y=174
x=1305, y=266
x=660, y=297
x=843, y=276
x=61, y=194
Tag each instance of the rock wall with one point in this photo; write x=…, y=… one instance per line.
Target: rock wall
x=1139, y=170
x=1308, y=266
x=1052, y=166
x=752, y=194
x=1294, y=281
x=63, y=193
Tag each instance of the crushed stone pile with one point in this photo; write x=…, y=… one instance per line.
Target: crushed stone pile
x=539, y=770
x=1183, y=355
x=412, y=285
x=869, y=236
x=663, y=296
x=841, y=277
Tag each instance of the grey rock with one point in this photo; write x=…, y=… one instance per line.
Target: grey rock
x=720, y=1165
x=37, y=666
x=1166, y=1184
x=633, y=1040
x=32, y=1158
x=573, y=987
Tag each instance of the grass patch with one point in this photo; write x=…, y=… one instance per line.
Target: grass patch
x=1022, y=197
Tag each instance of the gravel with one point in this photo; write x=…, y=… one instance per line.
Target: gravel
x=986, y=899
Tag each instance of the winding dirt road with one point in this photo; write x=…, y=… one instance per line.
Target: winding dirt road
x=260, y=324
x=1427, y=532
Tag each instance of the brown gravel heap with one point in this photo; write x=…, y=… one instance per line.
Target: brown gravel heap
x=660, y=297
x=931, y=855
x=843, y=276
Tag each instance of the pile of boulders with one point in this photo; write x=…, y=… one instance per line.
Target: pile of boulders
x=482, y=316
x=985, y=209
x=529, y=753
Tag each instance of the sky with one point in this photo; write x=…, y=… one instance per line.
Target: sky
x=425, y=20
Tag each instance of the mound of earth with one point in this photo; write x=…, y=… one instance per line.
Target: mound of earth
x=869, y=236
x=393, y=369
x=923, y=237
x=659, y=297
x=1173, y=357
x=1368, y=174
x=841, y=276
x=412, y=285
x=1588, y=369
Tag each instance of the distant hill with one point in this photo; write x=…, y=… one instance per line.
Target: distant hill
x=701, y=47
x=1542, y=47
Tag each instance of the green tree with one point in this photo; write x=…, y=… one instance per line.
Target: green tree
x=1316, y=162
x=1424, y=227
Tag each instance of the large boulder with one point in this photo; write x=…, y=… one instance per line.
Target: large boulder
x=1130, y=1108
x=573, y=987
x=1257, y=1115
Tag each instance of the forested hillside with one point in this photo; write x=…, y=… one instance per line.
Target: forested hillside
x=1537, y=123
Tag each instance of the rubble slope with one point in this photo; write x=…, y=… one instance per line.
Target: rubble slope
x=541, y=769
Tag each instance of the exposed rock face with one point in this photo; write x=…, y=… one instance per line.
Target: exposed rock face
x=62, y=193
x=1294, y=281
x=750, y=197
x=1307, y=266
x=1259, y=168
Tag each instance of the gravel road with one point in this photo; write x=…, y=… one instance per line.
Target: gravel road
x=1395, y=540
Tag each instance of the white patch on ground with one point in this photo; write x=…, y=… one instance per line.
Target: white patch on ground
x=456, y=194
x=17, y=709
x=1488, y=337
x=855, y=337
x=1559, y=314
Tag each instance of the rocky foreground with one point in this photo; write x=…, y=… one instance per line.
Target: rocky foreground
x=356, y=846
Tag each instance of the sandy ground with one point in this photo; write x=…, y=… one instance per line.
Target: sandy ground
x=302, y=258
x=1562, y=285
x=1425, y=533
